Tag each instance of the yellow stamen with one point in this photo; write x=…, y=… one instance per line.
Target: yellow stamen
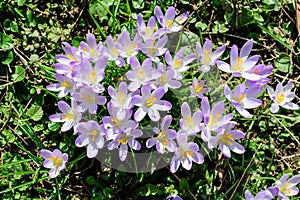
x=186, y=153
x=177, y=64
x=69, y=116
x=64, y=84
x=239, y=100
x=123, y=140
x=162, y=138
x=169, y=23
x=121, y=97
x=213, y=119
x=256, y=71
x=163, y=78
x=189, y=122
x=93, y=133
x=114, y=52
x=280, y=98
x=285, y=189
x=198, y=88
x=150, y=101
x=238, y=64
x=207, y=57
x=227, y=138
x=152, y=49
x=116, y=122
x=181, y=20
x=57, y=161
x=72, y=57
x=92, y=76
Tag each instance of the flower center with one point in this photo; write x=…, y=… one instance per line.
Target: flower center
x=256, y=71
x=123, y=140
x=280, y=98
x=68, y=116
x=169, y=23
x=64, y=84
x=213, y=119
x=114, y=52
x=93, y=134
x=226, y=138
x=198, y=88
x=92, y=76
x=207, y=57
x=57, y=161
x=121, y=97
x=162, y=138
x=163, y=78
x=150, y=101
x=239, y=100
x=238, y=64
x=177, y=64
x=189, y=122
x=141, y=74
x=285, y=189
x=186, y=153
x=116, y=122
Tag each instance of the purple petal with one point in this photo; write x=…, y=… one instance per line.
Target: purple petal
x=246, y=49
x=139, y=115
x=123, y=152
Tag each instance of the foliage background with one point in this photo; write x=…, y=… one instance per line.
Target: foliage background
x=31, y=33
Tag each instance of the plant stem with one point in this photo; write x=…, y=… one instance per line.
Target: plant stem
x=221, y=86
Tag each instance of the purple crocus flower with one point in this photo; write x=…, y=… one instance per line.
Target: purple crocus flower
x=89, y=99
x=140, y=75
x=261, y=70
x=282, y=96
x=197, y=88
x=267, y=194
x=207, y=56
x=56, y=161
x=120, y=99
x=166, y=79
x=91, y=49
x=173, y=197
x=225, y=139
x=168, y=21
x=186, y=153
x=190, y=124
x=90, y=135
x=126, y=47
x=164, y=138
x=116, y=125
x=286, y=186
x=147, y=32
x=213, y=118
x=112, y=53
x=243, y=98
x=240, y=64
x=92, y=76
x=153, y=48
x=70, y=115
x=73, y=55
x=150, y=103
x=65, y=85
x=179, y=63
x=128, y=138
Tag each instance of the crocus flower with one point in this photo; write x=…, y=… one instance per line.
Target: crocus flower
x=166, y=79
x=111, y=52
x=128, y=138
x=179, y=63
x=140, y=75
x=168, y=21
x=89, y=99
x=243, y=98
x=153, y=48
x=126, y=47
x=197, y=88
x=65, y=85
x=91, y=49
x=90, y=135
x=225, y=139
x=56, y=161
x=147, y=32
x=150, y=103
x=188, y=123
x=173, y=197
x=115, y=124
x=120, y=99
x=213, y=118
x=282, y=96
x=263, y=71
x=73, y=55
x=70, y=115
x=207, y=56
x=240, y=64
x=186, y=153
x=267, y=194
x=92, y=76
x=286, y=186
x=164, y=138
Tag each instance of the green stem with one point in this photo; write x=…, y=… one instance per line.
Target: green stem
x=57, y=189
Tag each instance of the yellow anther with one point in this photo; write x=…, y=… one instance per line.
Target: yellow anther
x=123, y=140
x=72, y=57
x=238, y=64
x=141, y=74
x=57, y=161
x=227, y=138
x=150, y=101
x=163, y=78
x=280, y=98
x=177, y=63
x=64, y=84
x=169, y=23
x=69, y=116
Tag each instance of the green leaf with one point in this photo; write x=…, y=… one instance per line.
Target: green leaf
x=19, y=74
x=8, y=58
x=109, y=192
x=14, y=27
x=33, y=58
x=35, y=112
x=200, y=25
x=20, y=2
x=5, y=42
x=283, y=63
x=219, y=27
x=138, y=4
x=183, y=184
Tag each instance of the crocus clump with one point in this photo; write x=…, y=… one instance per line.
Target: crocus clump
x=55, y=161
